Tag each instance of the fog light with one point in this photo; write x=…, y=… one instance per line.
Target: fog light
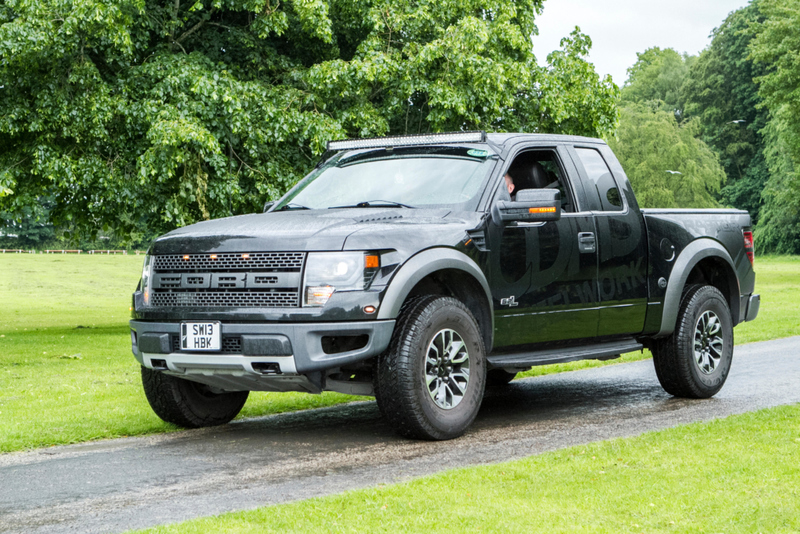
x=318, y=295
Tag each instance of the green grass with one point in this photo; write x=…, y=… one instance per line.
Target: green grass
x=67, y=374
x=730, y=475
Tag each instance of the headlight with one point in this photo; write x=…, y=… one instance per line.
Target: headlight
x=146, y=279
x=327, y=272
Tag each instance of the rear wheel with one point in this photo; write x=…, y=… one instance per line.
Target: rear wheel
x=695, y=360
x=189, y=404
x=429, y=383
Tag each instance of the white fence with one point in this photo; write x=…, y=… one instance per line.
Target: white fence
x=65, y=251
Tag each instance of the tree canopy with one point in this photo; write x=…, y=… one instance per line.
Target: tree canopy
x=667, y=165
x=775, y=47
x=658, y=74
x=720, y=91
x=140, y=116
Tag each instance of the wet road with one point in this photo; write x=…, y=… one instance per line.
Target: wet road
x=121, y=484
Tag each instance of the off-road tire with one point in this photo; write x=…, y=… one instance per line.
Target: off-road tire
x=400, y=372
x=189, y=404
x=674, y=357
x=499, y=378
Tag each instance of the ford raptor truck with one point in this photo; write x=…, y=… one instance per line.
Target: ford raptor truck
x=413, y=269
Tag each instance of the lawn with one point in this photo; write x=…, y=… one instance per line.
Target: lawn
x=733, y=475
x=67, y=374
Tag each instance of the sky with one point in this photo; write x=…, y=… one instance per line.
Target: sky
x=621, y=28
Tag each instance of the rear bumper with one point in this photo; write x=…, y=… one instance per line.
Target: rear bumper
x=270, y=355
x=753, y=304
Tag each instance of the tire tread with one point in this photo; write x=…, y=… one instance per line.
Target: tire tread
x=171, y=398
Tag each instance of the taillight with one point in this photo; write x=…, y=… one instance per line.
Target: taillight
x=748, y=245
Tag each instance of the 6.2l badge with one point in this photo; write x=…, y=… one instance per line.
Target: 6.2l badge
x=510, y=302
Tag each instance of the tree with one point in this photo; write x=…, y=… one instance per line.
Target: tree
x=658, y=74
x=33, y=230
x=720, y=90
x=667, y=165
x=140, y=116
x=774, y=46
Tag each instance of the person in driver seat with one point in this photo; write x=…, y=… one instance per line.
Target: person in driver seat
x=525, y=176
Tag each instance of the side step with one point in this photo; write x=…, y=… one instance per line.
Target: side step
x=597, y=351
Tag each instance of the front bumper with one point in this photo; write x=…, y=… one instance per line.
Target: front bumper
x=273, y=356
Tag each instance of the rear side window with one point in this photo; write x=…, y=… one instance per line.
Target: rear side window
x=602, y=193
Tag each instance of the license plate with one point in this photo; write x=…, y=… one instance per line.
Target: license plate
x=201, y=336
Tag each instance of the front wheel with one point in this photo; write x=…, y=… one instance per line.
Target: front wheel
x=429, y=383
x=694, y=361
x=189, y=404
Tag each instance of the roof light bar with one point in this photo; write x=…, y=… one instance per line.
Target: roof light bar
x=409, y=140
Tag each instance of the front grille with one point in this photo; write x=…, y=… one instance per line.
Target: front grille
x=230, y=344
x=223, y=299
x=255, y=261
x=230, y=280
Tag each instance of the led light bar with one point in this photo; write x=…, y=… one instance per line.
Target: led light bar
x=408, y=140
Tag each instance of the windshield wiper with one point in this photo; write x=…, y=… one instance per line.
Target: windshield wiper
x=375, y=204
x=291, y=206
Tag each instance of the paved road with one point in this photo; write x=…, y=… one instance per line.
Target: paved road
x=117, y=485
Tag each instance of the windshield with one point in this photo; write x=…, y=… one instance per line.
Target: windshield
x=413, y=177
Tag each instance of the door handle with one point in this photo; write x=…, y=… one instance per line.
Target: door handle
x=586, y=242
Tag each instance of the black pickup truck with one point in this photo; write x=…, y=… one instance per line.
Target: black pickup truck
x=421, y=269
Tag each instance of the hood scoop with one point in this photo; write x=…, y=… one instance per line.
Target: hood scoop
x=378, y=217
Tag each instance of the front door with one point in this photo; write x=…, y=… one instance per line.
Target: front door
x=544, y=282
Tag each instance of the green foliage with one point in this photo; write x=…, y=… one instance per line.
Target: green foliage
x=779, y=230
x=774, y=46
x=573, y=98
x=649, y=143
x=719, y=90
x=658, y=74
x=140, y=116
x=34, y=230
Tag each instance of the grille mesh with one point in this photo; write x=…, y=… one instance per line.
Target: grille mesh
x=223, y=299
x=256, y=261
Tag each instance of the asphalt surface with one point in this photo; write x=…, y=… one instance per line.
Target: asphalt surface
x=121, y=484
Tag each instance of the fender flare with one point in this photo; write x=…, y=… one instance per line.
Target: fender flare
x=689, y=257
x=421, y=265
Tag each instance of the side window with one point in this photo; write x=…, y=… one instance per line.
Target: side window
x=601, y=190
x=538, y=169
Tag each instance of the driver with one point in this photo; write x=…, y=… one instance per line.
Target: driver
x=521, y=177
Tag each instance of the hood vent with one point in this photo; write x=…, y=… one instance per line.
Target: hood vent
x=378, y=217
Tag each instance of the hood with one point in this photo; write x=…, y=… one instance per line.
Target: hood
x=306, y=230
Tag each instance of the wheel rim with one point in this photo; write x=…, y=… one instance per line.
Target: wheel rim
x=447, y=369
x=708, y=342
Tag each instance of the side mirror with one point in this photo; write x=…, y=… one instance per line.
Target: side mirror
x=268, y=204
x=531, y=205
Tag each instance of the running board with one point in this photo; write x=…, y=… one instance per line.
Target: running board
x=599, y=351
